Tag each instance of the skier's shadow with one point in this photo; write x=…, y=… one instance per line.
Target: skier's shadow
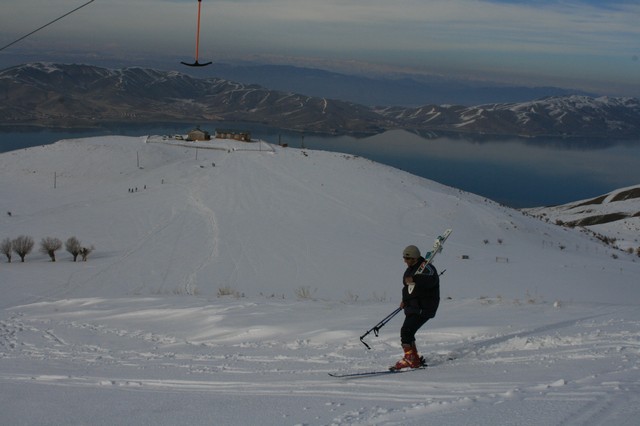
x=475, y=347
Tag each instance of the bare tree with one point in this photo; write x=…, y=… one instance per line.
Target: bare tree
x=74, y=247
x=49, y=246
x=6, y=248
x=22, y=246
x=85, y=252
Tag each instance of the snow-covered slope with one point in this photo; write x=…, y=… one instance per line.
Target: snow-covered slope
x=542, y=319
x=260, y=219
x=612, y=217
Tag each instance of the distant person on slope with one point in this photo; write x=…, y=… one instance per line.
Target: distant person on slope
x=420, y=301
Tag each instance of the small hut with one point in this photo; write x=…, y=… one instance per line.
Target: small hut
x=198, y=135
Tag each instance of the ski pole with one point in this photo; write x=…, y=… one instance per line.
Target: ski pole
x=382, y=323
x=378, y=326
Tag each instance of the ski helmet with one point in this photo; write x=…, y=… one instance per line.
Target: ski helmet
x=411, y=252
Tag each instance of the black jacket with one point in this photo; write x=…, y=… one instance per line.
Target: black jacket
x=424, y=299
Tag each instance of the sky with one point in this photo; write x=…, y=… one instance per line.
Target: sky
x=583, y=44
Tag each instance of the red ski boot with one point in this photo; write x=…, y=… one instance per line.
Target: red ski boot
x=423, y=362
x=410, y=359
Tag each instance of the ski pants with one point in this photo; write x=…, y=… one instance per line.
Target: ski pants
x=411, y=325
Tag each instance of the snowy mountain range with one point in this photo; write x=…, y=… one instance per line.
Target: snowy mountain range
x=566, y=116
x=57, y=95
x=80, y=95
x=229, y=278
x=409, y=90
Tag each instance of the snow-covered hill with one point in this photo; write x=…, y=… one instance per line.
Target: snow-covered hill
x=612, y=217
x=229, y=278
x=261, y=219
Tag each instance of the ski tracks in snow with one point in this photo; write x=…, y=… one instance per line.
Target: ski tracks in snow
x=211, y=233
x=569, y=371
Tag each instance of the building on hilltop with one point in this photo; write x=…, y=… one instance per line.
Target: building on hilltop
x=243, y=136
x=198, y=135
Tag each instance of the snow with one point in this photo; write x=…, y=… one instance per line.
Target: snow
x=622, y=203
x=227, y=282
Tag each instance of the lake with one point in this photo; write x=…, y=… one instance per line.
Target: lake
x=517, y=172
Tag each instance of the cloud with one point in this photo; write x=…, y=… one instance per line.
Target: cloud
x=346, y=24
x=546, y=37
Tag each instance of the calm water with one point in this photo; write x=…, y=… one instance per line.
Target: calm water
x=516, y=172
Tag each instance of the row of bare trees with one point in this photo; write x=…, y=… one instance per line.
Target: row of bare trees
x=23, y=245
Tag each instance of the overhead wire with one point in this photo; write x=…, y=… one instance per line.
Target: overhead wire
x=46, y=25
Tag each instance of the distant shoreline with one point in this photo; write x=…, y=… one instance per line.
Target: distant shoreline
x=427, y=134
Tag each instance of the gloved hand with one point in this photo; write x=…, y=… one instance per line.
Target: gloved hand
x=410, y=310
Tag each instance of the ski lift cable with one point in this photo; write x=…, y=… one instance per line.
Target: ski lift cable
x=45, y=25
x=196, y=63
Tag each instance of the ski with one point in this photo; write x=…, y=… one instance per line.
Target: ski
x=374, y=373
x=437, y=248
x=433, y=361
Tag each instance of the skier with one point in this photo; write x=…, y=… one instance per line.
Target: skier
x=420, y=300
